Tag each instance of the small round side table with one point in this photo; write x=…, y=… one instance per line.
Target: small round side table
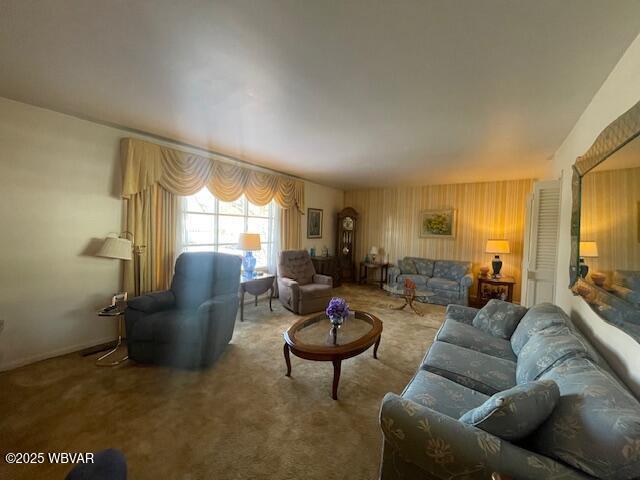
x=117, y=312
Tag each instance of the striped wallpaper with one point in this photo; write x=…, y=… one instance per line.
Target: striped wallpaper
x=389, y=219
x=609, y=215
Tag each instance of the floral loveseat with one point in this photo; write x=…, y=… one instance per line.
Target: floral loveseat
x=449, y=280
x=591, y=431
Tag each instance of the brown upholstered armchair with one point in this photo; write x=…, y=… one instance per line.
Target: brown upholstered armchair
x=301, y=289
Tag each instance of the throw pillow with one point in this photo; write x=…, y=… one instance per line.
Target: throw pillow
x=499, y=318
x=515, y=413
x=407, y=266
x=539, y=317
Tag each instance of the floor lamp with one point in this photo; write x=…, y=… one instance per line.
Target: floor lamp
x=121, y=248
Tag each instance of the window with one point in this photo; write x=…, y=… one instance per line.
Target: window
x=211, y=225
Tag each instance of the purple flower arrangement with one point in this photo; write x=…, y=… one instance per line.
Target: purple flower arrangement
x=338, y=308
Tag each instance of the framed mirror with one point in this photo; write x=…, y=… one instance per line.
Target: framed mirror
x=605, y=224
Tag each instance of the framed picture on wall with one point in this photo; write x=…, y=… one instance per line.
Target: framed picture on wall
x=438, y=223
x=314, y=223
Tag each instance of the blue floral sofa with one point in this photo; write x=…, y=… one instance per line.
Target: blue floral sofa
x=449, y=280
x=592, y=430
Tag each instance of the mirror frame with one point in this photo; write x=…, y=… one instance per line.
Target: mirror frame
x=609, y=307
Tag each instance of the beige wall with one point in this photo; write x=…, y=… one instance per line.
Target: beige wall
x=330, y=200
x=389, y=218
x=59, y=196
x=620, y=92
x=609, y=216
x=60, y=182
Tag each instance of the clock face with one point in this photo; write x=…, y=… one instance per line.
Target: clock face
x=347, y=223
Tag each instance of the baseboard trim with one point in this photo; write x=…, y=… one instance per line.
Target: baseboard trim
x=21, y=362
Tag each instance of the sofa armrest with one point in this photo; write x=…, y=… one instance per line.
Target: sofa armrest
x=216, y=321
x=444, y=447
x=153, y=302
x=288, y=282
x=323, y=279
x=392, y=275
x=467, y=280
x=460, y=313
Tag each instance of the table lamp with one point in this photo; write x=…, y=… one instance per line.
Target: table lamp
x=374, y=253
x=249, y=242
x=497, y=247
x=588, y=249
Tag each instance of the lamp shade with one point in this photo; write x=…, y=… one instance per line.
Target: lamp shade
x=249, y=241
x=374, y=251
x=497, y=246
x=588, y=249
x=116, y=247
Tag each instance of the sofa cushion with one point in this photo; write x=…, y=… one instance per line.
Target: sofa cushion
x=417, y=279
x=476, y=370
x=546, y=349
x=442, y=395
x=468, y=336
x=424, y=266
x=315, y=290
x=436, y=283
x=595, y=426
x=406, y=265
x=515, y=413
x=450, y=269
x=536, y=319
x=499, y=318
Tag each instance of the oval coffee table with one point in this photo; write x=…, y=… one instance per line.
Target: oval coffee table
x=314, y=338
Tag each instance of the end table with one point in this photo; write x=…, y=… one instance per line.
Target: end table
x=490, y=288
x=256, y=286
x=116, y=312
x=364, y=271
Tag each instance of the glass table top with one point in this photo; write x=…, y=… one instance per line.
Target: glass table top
x=318, y=331
x=398, y=289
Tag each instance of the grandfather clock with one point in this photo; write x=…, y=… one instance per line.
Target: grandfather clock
x=346, y=244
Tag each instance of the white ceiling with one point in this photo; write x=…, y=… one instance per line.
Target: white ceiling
x=351, y=93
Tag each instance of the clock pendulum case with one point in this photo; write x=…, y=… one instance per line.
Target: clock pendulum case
x=346, y=243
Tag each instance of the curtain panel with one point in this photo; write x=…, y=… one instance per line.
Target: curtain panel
x=155, y=176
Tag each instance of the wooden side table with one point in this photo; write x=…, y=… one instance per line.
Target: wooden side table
x=364, y=267
x=327, y=266
x=256, y=286
x=490, y=288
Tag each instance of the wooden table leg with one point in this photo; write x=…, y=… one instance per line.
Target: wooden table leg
x=242, y=306
x=255, y=301
x=270, y=298
x=287, y=359
x=375, y=347
x=336, y=378
x=415, y=310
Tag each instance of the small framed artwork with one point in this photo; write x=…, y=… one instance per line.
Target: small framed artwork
x=438, y=223
x=314, y=223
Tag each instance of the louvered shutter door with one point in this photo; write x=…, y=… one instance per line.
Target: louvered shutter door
x=543, y=251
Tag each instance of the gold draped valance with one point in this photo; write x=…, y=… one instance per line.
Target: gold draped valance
x=184, y=173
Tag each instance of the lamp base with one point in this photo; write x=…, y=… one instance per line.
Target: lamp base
x=584, y=268
x=248, y=264
x=496, y=264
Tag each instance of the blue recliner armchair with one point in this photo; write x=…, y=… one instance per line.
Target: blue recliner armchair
x=190, y=324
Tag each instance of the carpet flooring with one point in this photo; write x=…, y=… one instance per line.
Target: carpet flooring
x=241, y=419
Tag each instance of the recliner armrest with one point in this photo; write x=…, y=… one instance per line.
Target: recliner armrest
x=288, y=282
x=323, y=279
x=153, y=302
x=460, y=313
